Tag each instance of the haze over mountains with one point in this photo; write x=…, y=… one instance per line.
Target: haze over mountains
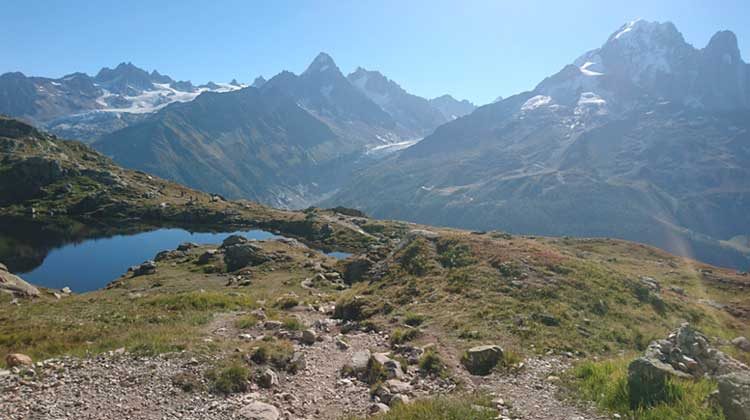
x=644, y=138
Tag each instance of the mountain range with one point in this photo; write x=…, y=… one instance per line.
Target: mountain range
x=85, y=107
x=644, y=138
x=287, y=141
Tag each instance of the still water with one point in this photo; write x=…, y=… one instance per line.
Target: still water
x=93, y=263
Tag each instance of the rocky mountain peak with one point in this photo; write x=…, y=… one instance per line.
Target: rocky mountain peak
x=259, y=82
x=723, y=45
x=322, y=63
x=646, y=33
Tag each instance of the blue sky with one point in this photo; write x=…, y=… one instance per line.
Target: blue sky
x=475, y=49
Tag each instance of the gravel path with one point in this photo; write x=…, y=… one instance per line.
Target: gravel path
x=534, y=393
x=120, y=386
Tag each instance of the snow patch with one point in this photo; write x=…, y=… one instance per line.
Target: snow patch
x=627, y=28
x=536, y=102
x=589, y=69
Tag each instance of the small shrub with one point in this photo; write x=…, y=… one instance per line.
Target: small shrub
x=430, y=363
x=187, y=382
x=247, y=321
x=292, y=323
x=274, y=352
x=232, y=379
x=470, y=335
x=375, y=373
x=401, y=336
x=413, y=320
x=287, y=302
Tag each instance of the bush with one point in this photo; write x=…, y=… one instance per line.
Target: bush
x=232, y=379
x=401, y=336
x=430, y=363
x=413, y=320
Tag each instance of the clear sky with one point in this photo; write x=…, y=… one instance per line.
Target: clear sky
x=475, y=49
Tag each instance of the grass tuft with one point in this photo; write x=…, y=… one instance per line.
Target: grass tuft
x=606, y=383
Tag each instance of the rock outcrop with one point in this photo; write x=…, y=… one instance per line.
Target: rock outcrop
x=243, y=254
x=686, y=354
x=10, y=283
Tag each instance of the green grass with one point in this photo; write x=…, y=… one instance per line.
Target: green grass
x=606, y=383
x=90, y=324
x=443, y=408
x=275, y=352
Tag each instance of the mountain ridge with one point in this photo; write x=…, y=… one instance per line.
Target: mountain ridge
x=645, y=130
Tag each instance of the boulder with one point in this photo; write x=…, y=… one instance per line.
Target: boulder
x=378, y=408
x=734, y=395
x=208, y=256
x=398, y=387
x=356, y=269
x=359, y=362
x=148, y=267
x=258, y=411
x=185, y=246
x=309, y=337
x=481, y=360
x=242, y=255
x=341, y=344
x=18, y=359
x=233, y=240
x=647, y=379
x=268, y=379
x=391, y=367
x=14, y=285
x=297, y=362
x=742, y=343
